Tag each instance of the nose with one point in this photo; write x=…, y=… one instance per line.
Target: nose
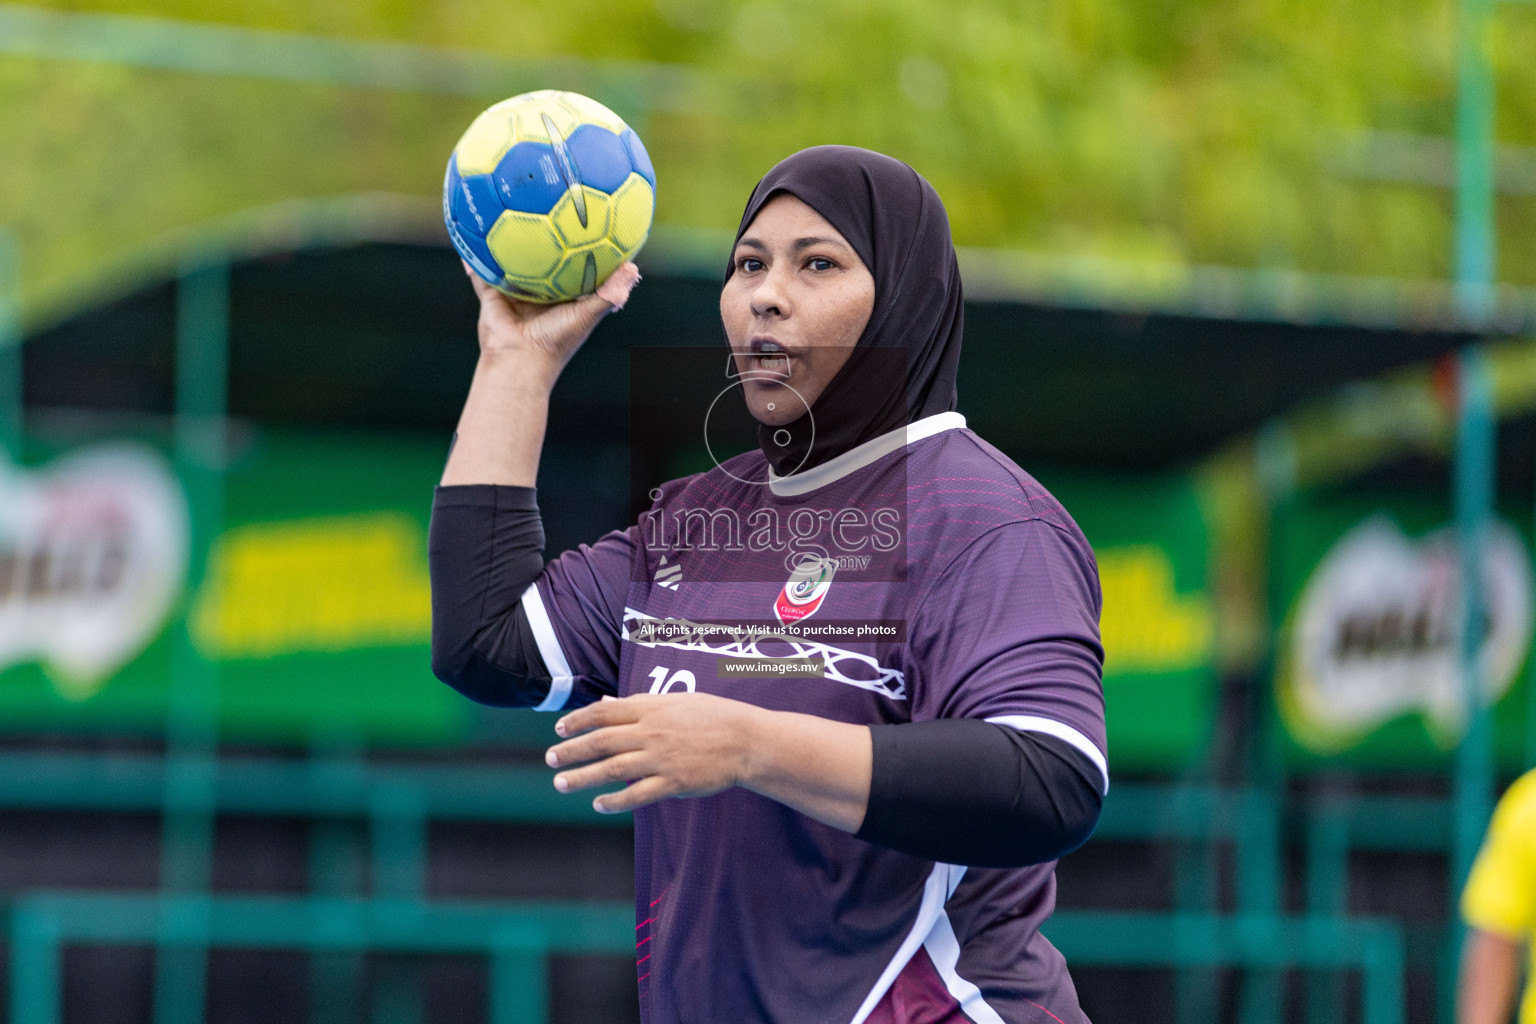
x=771, y=296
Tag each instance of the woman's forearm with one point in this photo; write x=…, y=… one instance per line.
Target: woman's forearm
x=1490, y=978
x=961, y=791
x=523, y=348
x=819, y=767
x=501, y=430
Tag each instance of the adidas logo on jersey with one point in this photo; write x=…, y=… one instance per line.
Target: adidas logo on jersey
x=668, y=575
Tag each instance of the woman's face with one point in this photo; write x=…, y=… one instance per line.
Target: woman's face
x=794, y=307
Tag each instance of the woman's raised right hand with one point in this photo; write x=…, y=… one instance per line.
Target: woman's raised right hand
x=546, y=336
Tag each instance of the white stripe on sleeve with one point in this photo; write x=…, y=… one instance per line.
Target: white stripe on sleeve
x=1062, y=731
x=549, y=650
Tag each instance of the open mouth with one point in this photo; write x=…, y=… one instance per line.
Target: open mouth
x=777, y=364
x=768, y=358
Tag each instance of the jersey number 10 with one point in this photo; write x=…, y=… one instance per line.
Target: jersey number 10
x=681, y=678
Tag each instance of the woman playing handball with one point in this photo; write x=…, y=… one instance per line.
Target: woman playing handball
x=874, y=843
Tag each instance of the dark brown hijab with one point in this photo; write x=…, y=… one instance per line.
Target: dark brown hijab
x=895, y=222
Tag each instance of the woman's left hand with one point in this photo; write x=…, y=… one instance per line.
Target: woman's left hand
x=664, y=745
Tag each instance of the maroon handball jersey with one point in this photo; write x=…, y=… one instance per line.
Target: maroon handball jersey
x=979, y=598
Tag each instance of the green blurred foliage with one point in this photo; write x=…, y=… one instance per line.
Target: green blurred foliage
x=1171, y=130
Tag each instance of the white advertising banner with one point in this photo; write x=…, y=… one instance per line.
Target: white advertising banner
x=1376, y=633
x=93, y=556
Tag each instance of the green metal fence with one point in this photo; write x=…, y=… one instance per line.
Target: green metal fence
x=516, y=938
x=398, y=803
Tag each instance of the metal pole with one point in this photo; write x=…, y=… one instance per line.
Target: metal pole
x=1476, y=252
x=336, y=865
x=10, y=345
x=398, y=828
x=1327, y=867
x=202, y=385
x=1474, y=499
x=519, y=975
x=1259, y=866
x=37, y=974
x=1530, y=677
x=1476, y=244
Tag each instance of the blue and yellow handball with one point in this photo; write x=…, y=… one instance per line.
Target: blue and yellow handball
x=547, y=194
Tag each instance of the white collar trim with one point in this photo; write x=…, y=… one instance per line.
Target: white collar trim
x=862, y=455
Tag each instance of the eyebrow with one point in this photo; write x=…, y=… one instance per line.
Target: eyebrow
x=800, y=243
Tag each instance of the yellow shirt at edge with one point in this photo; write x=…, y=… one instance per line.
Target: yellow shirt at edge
x=1501, y=892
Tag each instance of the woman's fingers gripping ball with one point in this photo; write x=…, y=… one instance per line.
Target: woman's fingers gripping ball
x=665, y=745
x=550, y=333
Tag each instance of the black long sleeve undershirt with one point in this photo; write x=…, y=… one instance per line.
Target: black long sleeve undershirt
x=962, y=791
x=965, y=791
x=484, y=547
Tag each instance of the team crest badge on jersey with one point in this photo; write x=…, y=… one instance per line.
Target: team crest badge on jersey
x=805, y=591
